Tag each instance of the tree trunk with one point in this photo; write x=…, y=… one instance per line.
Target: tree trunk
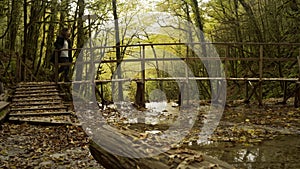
x=15, y=14
x=80, y=42
x=118, y=50
x=25, y=45
x=13, y=29
x=42, y=42
x=33, y=33
x=50, y=34
x=6, y=35
x=199, y=25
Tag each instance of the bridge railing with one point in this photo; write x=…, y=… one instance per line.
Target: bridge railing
x=225, y=56
x=23, y=72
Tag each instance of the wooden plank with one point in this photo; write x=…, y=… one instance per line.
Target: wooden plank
x=261, y=55
x=29, y=91
x=39, y=114
x=191, y=78
x=1, y=88
x=196, y=43
x=56, y=67
x=60, y=83
x=36, y=88
x=49, y=118
x=37, y=95
x=38, y=108
x=40, y=122
x=56, y=98
x=3, y=105
x=4, y=110
x=253, y=59
x=35, y=84
x=40, y=103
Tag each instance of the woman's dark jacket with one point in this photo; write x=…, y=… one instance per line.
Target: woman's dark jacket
x=59, y=43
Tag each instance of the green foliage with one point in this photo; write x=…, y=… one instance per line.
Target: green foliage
x=272, y=21
x=224, y=21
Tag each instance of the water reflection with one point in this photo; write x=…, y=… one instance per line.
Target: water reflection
x=157, y=106
x=244, y=155
x=282, y=152
x=155, y=113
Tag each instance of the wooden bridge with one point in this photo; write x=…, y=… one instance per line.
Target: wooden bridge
x=228, y=53
x=41, y=102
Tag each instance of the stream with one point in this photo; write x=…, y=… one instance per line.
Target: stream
x=283, y=152
x=247, y=137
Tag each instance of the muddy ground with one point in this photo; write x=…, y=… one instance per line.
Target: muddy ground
x=248, y=136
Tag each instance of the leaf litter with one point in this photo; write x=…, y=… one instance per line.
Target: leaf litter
x=32, y=146
x=66, y=146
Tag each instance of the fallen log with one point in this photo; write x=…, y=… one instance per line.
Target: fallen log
x=177, y=158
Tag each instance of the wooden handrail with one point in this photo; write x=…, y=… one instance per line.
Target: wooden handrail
x=21, y=63
x=259, y=56
x=194, y=43
x=226, y=58
x=189, y=78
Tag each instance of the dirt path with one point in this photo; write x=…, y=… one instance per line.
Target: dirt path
x=31, y=146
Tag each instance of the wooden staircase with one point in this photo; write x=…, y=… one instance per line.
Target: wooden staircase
x=39, y=103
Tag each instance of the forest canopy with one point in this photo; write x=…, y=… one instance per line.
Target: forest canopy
x=28, y=29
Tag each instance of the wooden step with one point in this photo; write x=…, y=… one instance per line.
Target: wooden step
x=48, y=118
x=34, y=84
x=40, y=121
x=36, y=91
x=39, y=114
x=35, y=99
x=39, y=103
x=36, y=103
x=38, y=108
x=37, y=95
x=36, y=88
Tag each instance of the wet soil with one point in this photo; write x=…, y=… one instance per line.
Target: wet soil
x=255, y=137
x=248, y=136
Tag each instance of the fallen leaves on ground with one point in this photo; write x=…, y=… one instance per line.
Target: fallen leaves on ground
x=31, y=146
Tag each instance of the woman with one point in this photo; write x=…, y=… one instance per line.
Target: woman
x=63, y=44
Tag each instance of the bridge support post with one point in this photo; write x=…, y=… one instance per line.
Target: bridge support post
x=184, y=94
x=1, y=88
x=297, y=90
x=261, y=55
x=101, y=95
x=297, y=95
x=246, y=92
x=56, y=67
x=181, y=93
x=285, y=97
x=140, y=94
